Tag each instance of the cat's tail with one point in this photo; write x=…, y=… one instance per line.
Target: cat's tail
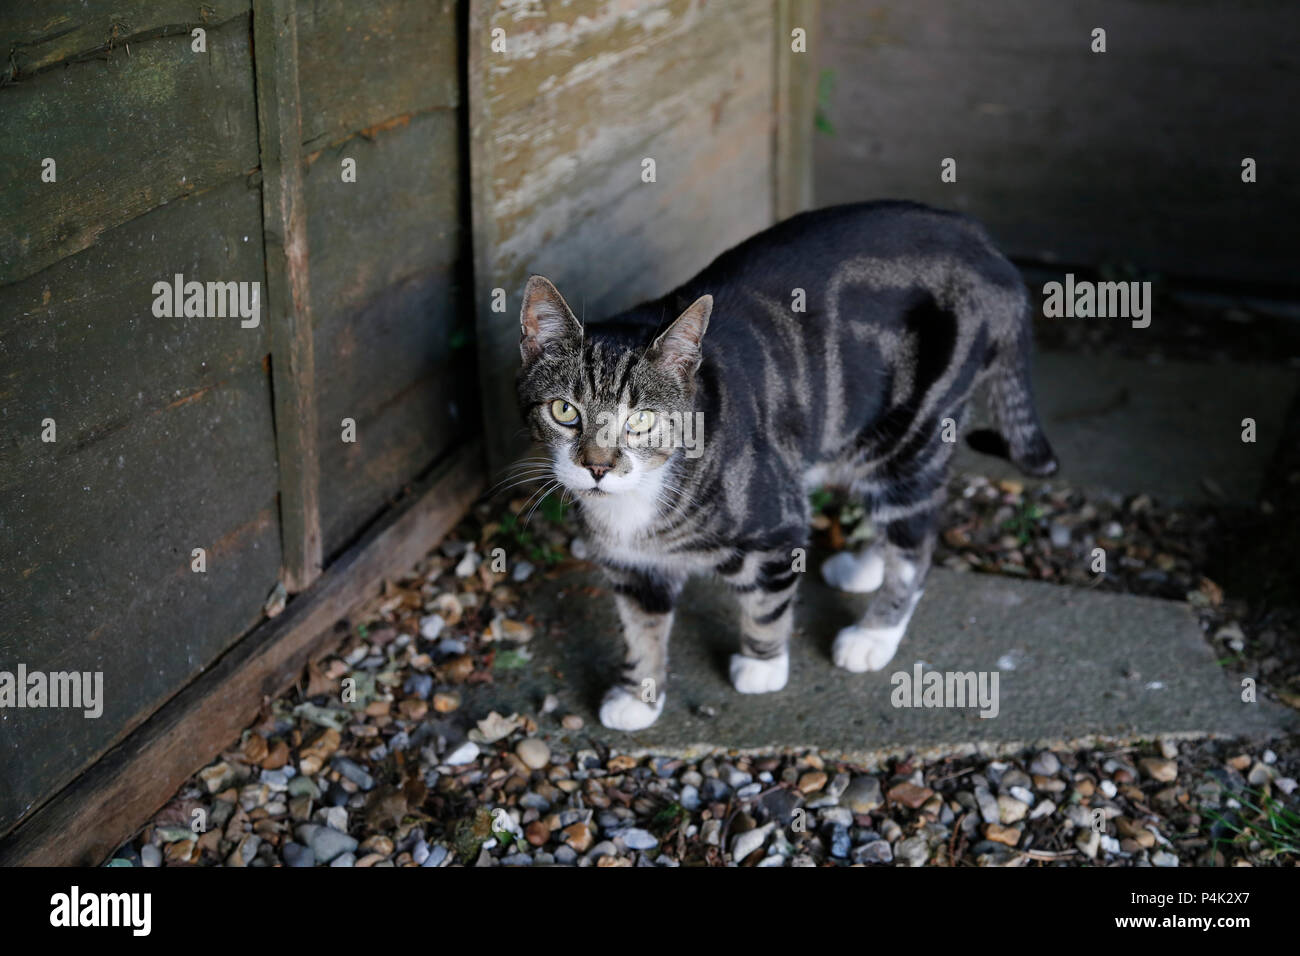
x=1019, y=436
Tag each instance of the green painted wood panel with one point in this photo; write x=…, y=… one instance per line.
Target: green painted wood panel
x=165, y=444
x=364, y=64
x=128, y=132
x=388, y=264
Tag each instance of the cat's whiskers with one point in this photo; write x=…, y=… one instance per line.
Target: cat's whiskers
x=546, y=490
x=514, y=481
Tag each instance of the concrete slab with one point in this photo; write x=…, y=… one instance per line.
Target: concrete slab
x=1134, y=427
x=1072, y=666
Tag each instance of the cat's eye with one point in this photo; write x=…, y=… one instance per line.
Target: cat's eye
x=640, y=422
x=563, y=412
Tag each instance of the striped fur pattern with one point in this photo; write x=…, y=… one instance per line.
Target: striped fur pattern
x=906, y=310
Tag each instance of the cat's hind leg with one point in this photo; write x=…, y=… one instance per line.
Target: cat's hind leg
x=645, y=607
x=905, y=554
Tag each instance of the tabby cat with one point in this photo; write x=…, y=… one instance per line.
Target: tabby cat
x=837, y=344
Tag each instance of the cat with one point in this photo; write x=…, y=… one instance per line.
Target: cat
x=838, y=343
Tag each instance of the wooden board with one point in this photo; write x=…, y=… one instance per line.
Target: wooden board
x=400, y=428
x=1131, y=156
x=165, y=444
x=365, y=65
x=288, y=289
x=389, y=279
x=46, y=35
x=168, y=123
x=796, y=93
x=87, y=821
x=560, y=124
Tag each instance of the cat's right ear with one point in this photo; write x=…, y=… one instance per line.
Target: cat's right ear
x=544, y=320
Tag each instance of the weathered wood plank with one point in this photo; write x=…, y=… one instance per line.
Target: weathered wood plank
x=400, y=219
x=387, y=290
x=45, y=35
x=398, y=433
x=288, y=288
x=88, y=820
x=368, y=64
x=164, y=444
x=1129, y=156
x=96, y=570
x=168, y=123
x=561, y=123
x=796, y=94
x=79, y=342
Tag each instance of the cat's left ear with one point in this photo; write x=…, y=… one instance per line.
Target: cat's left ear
x=678, y=347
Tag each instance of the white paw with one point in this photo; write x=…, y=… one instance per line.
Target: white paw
x=749, y=675
x=861, y=649
x=623, y=710
x=856, y=573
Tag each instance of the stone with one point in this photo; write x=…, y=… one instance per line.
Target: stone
x=877, y=851
x=419, y=686
x=743, y=844
x=1008, y=836
x=312, y=757
x=913, y=851
x=634, y=838
x=217, y=777
x=990, y=812
x=1011, y=810
x=150, y=855
x=437, y=855
x=863, y=795
x=1023, y=795
x=465, y=753
x=909, y=795
x=354, y=772
x=297, y=855
x=1260, y=774
x=1044, y=809
x=378, y=844
x=1159, y=768
x=578, y=837
x=325, y=842
x=840, y=842
x=534, y=752
x=835, y=816
x=1046, y=764
x=812, y=781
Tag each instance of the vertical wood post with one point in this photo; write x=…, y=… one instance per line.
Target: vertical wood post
x=288, y=302
x=796, y=101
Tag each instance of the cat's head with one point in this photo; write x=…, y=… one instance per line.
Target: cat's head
x=610, y=414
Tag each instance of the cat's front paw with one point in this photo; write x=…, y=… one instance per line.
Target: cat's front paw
x=855, y=573
x=623, y=710
x=749, y=675
x=860, y=649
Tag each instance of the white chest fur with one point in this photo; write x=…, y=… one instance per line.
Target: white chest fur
x=621, y=528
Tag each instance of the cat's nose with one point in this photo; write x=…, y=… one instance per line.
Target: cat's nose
x=598, y=471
